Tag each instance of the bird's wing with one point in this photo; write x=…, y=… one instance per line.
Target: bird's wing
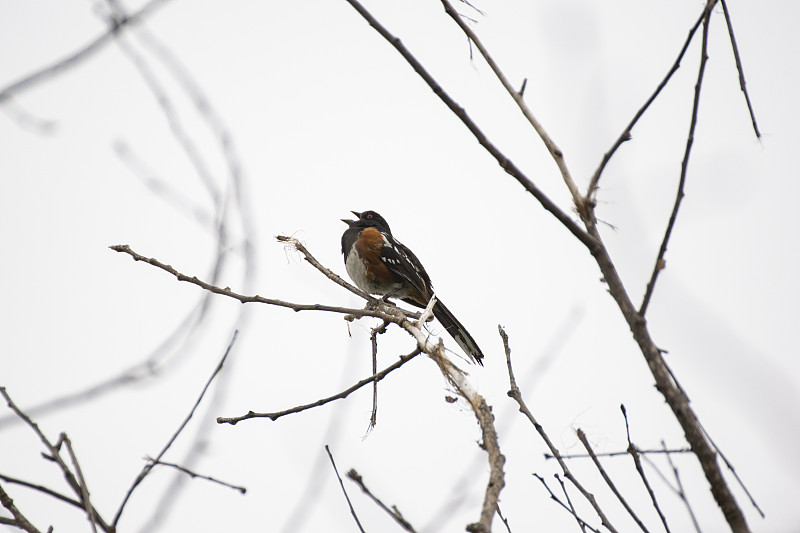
x=403, y=261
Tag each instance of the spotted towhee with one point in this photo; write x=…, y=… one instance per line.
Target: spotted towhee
x=380, y=264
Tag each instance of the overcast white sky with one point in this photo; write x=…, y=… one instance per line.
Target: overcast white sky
x=324, y=117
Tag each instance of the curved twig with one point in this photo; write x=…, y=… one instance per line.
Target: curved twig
x=79, y=56
x=344, y=394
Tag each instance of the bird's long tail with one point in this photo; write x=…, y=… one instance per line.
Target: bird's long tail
x=458, y=332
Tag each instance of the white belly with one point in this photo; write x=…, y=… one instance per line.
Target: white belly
x=357, y=272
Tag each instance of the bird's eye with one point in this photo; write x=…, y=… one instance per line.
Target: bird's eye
x=369, y=217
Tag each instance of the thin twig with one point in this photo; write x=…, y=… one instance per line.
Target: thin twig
x=42, y=489
x=581, y=522
x=77, y=57
x=609, y=482
x=660, y=262
x=591, y=191
x=742, y=84
x=393, y=512
x=638, y=464
x=516, y=395
x=19, y=519
x=617, y=454
x=554, y=150
x=149, y=466
x=193, y=475
x=341, y=484
x=253, y=299
x=503, y=519
x=55, y=456
x=179, y=131
x=373, y=419
x=84, y=488
x=569, y=502
x=344, y=394
x=733, y=471
x=681, y=492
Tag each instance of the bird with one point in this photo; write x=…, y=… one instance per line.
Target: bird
x=380, y=264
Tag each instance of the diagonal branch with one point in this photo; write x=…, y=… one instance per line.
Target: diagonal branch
x=554, y=150
x=626, y=133
x=638, y=464
x=742, y=84
x=681, y=493
x=78, y=56
x=609, y=482
x=581, y=523
x=90, y=512
x=19, y=519
x=151, y=464
x=660, y=263
x=356, y=478
x=516, y=395
x=341, y=484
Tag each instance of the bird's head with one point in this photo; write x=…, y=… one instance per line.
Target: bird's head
x=368, y=219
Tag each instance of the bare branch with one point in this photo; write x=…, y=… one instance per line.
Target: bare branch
x=149, y=466
x=569, y=502
x=503, y=519
x=617, y=454
x=42, y=489
x=733, y=471
x=681, y=492
x=393, y=512
x=19, y=519
x=193, y=475
x=611, y=485
x=77, y=57
x=554, y=150
x=742, y=84
x=90, y=514
x=341, y=484
x=582, y=523
x=516, y=395
x=373, y=419
x=496, y=460
x=55, y=456
x=344, y=394
x=638, y=464
x=660, y=262
x=179, y=130
x=626, y=133
x=256, y=299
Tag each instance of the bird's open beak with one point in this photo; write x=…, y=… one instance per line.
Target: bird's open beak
x=352, y=222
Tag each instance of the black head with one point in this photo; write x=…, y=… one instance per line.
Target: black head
x=368, y=219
